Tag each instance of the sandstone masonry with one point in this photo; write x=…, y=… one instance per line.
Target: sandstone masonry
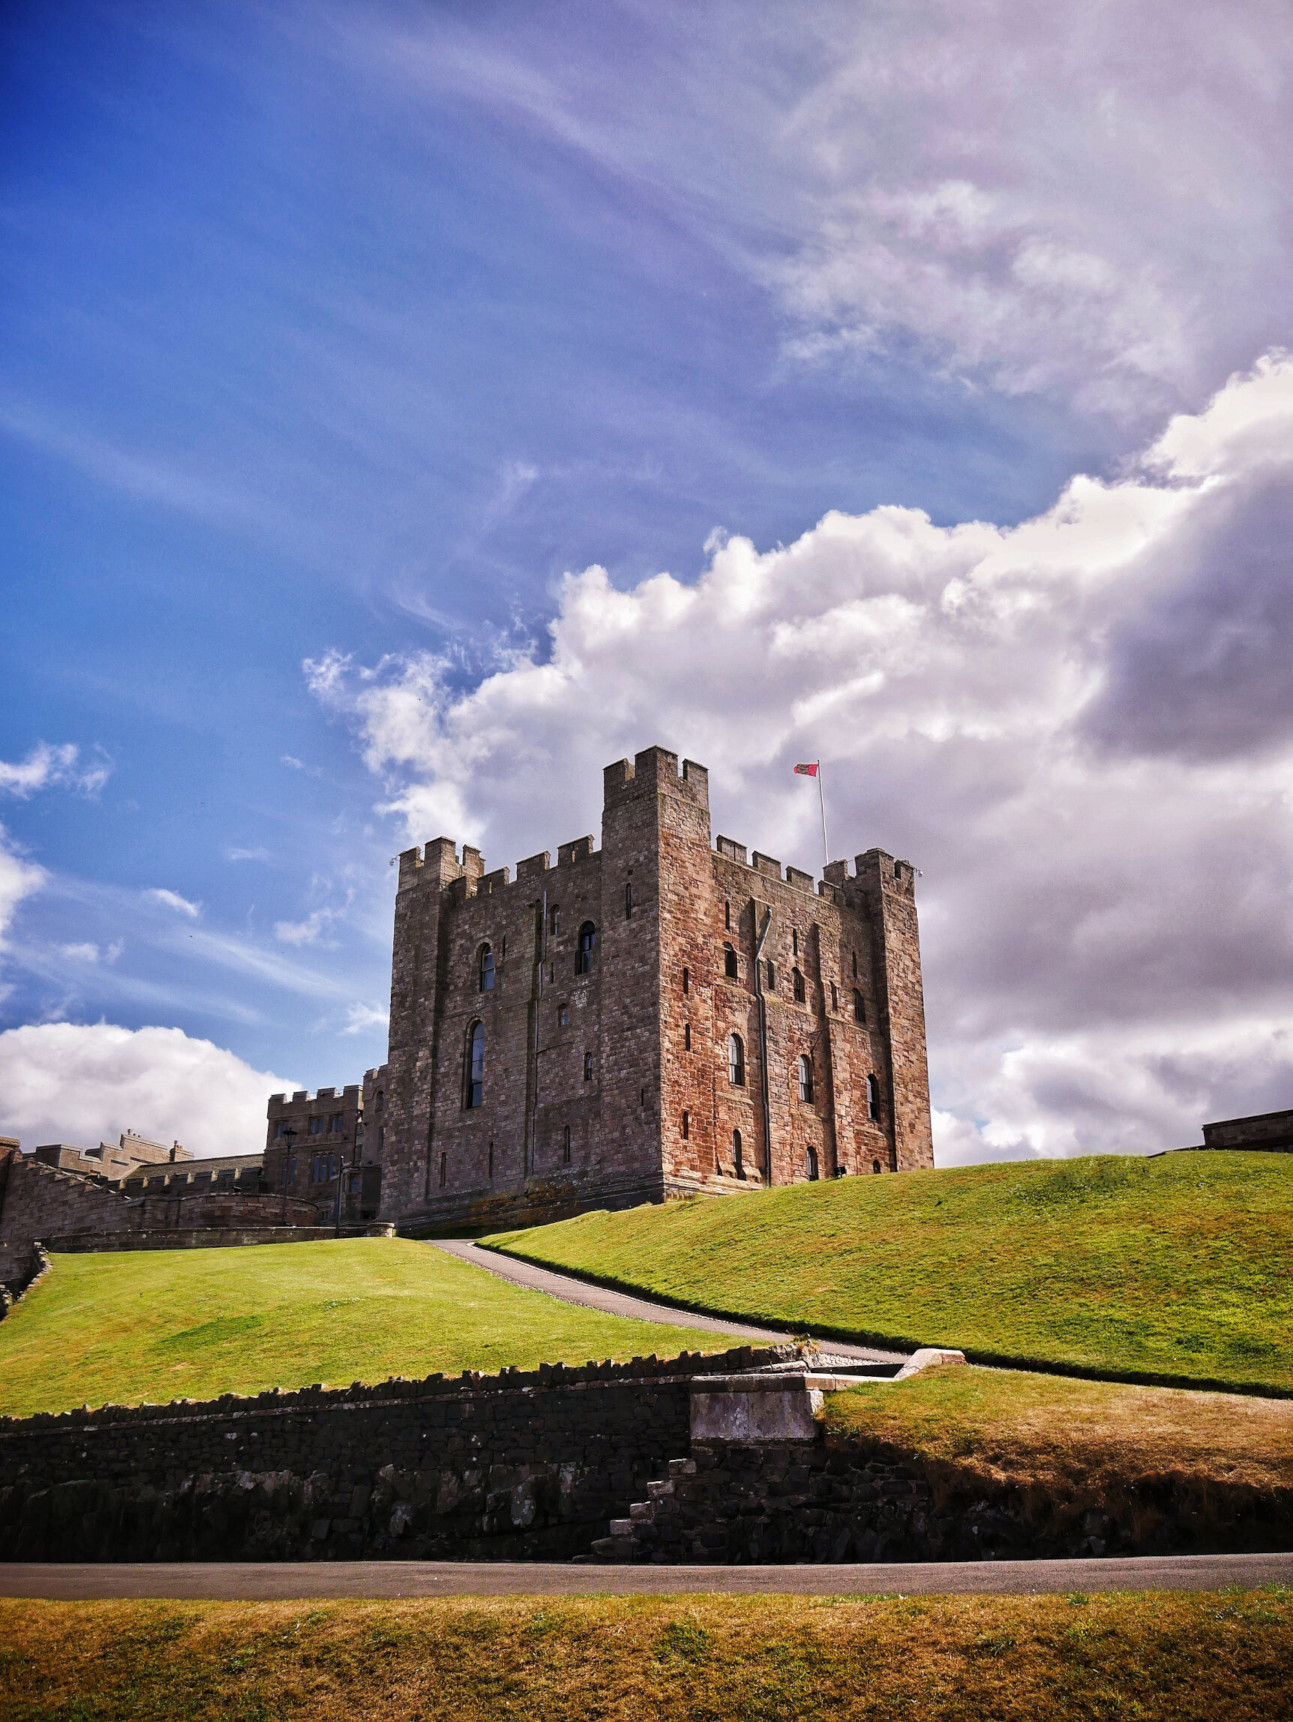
x=661, y=1016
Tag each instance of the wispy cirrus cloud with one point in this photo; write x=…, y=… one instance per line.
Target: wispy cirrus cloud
x=48, y=767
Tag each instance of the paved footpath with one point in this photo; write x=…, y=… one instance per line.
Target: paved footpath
x=269, y=1581
x=639, y=1308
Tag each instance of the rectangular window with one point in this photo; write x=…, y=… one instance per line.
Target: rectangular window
x=336, y=1124
x=588, y=1067
x=316, y=1127
x=444, y=1170
x=563, y=1016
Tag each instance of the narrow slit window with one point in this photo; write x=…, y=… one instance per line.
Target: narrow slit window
x=805, y=1078
x=772, y=976
x=736, y=1061
x=475, y=1084
x=565, y=1145
x=727, y=917
x=628, y=901
x=794, y=941
x=835, y=997
x=873, y=1099
x=554, y=922
x=730, y=968
x=738, y=1161
x=686, y=1037
x=855, y=965
x=588, y=1067
x=859, y=1006
x=686, y=1126
x=486, y=969
x=686, y=982
x=799, y=987
x=444, y=1170
x=587, y=949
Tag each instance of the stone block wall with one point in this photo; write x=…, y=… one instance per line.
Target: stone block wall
x=517, y=1466
x=39, y=1202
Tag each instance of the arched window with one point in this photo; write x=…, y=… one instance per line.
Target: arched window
x=588, y=1067
x=565, y=1145
x=474, y=1087
x=628, y=901
x=873, y=1099
x=738, y=1163
x=875, y=1165
x=379, y=1102
x=486, y=969
x=735, y=1061
x=805, y=1077
x=686, y=982
x=859, y=1006
x=686, y=1037
x=587, y=947
x=799, y=987
x=811, y=1157
x=729, y=962
x=686, y=1126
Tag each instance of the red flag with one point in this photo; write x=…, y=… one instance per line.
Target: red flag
x=808, y=770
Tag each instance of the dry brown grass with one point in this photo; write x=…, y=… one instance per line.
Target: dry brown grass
x=1047, y=1429
x=721, y=1659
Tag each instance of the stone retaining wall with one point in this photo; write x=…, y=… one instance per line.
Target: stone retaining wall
x=510, y=1467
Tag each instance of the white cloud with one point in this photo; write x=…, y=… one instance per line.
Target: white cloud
x=247, y=855
x=69, y=1082
x=363, y=1017
x=173, y=900
x=1081, y=728
x=46, y=766
x=18, y=879
x=80, y=953
x=1090, y=202
x=306, y=932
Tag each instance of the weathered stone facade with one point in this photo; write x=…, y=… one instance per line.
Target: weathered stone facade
x=314, y=1141
x=660, y=1016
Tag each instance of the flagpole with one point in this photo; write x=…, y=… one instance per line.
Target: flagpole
x=821, y=796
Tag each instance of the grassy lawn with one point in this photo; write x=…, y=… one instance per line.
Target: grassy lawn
x=1175, y=1269
x=156, y=1325
x=1187, y=1658
x=1058, y=1432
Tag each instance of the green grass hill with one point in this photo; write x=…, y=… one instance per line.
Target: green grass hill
x=1173, y=1269
x=150, y=1326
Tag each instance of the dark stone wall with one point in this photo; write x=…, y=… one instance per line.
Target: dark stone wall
x=832, y=1502
x=510, y=1467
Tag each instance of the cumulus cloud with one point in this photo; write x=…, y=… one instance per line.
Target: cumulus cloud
x=86, y=1083
x=46, y=766
x=1076, y=726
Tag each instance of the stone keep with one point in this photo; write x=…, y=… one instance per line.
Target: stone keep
x=658, y=1017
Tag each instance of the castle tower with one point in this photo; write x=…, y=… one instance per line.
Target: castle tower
x=658, y=1016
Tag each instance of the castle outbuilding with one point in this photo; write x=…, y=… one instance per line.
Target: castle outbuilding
x=659, y=1017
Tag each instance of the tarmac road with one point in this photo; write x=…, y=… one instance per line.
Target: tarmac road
x=639, y=1308
x=268, y=1581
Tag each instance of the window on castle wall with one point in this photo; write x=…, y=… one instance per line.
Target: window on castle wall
x=738, y=1162
x=563, y=1016
x=588, y=1067
x=875, y=1166
x=859, y=1006
x=379, y=1102
x=336, y=1124
x=554, y=922
x=565, y=1145
x=811, y=1157
x=628, y=901
x=794, y=941
x=486, y=969
x=444, y=1170
x=278, y=1130
x=727, y=917
x=686, y=1126
x=873, y=1099
x=730, y=968
x=772, y=976
x=805, y=1072
x=686, y=982
x=799, y=987
x=855, y=965
x=686, y=1037
x=735, y=1061
x=316, y=1127
x=587, y=949
x=474, y=1086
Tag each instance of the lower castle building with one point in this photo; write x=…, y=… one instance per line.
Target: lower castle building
x=662, y=1016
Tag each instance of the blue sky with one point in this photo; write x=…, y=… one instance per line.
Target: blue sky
x=340, y=335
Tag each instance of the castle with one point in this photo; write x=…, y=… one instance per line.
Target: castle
x=662, y=1016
